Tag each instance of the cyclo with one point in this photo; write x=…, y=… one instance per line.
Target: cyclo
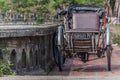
x=82, y=33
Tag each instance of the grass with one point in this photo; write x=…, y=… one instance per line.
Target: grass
x=115, y=35
x=117, y=28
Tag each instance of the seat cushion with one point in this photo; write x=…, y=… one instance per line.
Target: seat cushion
x=86, y=21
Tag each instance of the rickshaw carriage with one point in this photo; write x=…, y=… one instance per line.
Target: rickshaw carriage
x=83, y=33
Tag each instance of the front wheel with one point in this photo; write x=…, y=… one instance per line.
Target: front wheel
x=108, y=58
x=108, y=48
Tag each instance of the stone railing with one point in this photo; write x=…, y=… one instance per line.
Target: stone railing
x=29, y=47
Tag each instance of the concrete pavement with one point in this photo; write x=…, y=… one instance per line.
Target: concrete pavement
x=95, y=69
x=61, y=78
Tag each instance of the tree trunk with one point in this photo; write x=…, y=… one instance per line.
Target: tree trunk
x=119, y=14
x=117, y=11
x=116, y=8
x=108, y=8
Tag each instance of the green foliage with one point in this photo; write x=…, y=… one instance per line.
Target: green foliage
x=5, y=50
x=94, y=2
x=116, y=39
x=58, y=3
x=41, y=7
x=116, y=34
x=5, y=65
x=31, y=3
x=40, y=20
x=44, y=1
x=5, y=68
x=4, y=6
x=16, y=4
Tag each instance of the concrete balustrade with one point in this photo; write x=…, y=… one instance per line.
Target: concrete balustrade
x=28, y=47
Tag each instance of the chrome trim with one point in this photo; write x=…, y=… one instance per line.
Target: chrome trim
x=60, y=31
x=108, y=35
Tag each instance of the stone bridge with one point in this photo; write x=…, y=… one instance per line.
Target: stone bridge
x=28, y=47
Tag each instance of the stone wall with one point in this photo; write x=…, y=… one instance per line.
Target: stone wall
x=28, y=47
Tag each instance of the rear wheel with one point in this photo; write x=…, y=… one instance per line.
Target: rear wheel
x=59, y=57
x=99, y=53
x=55, y=49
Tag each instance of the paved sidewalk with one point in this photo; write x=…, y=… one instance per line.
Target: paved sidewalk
x=95, y=69
x=61, y=78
